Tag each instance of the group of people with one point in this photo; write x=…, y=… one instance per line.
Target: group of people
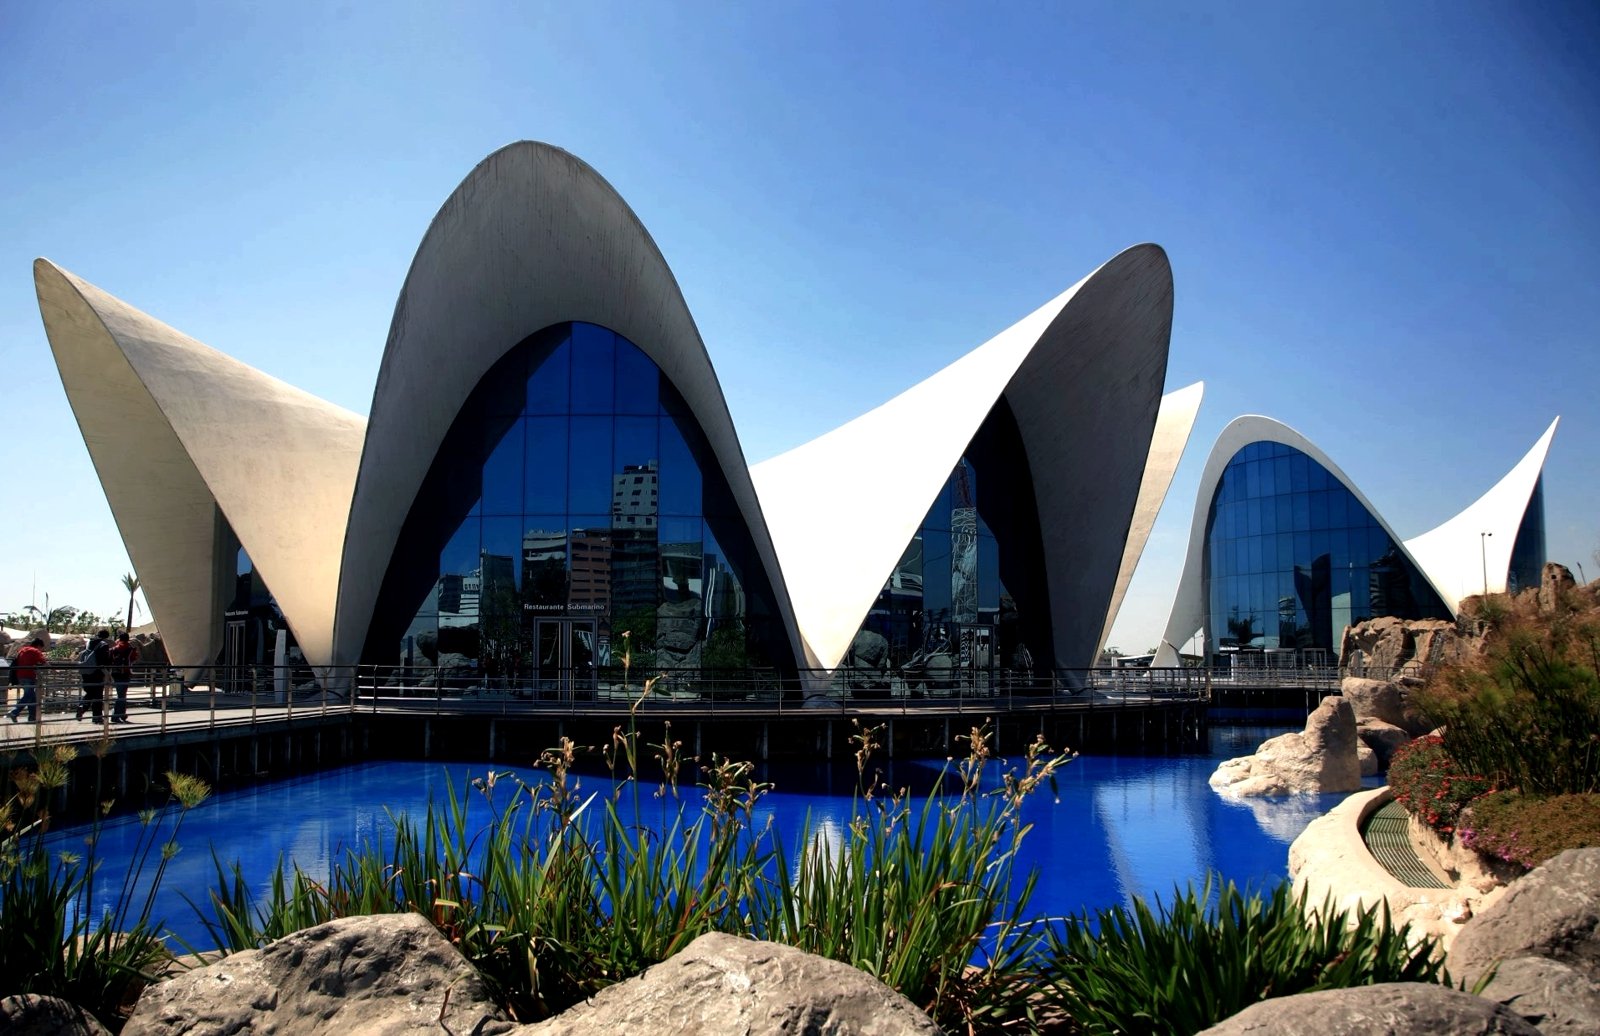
x=103, y=662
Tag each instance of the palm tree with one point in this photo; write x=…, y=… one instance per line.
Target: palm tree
x=130, y=583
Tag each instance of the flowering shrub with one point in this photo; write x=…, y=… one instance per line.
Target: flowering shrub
x=1432, y=786
x=1527, y=830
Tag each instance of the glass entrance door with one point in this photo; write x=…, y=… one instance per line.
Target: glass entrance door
x=564, y=658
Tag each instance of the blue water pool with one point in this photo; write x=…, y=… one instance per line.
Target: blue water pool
x=1123, y=825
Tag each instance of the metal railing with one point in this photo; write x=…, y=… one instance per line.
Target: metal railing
x=164, y=697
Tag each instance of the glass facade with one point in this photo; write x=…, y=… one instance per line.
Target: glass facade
x=968, y=592
x=1292, y=558
x=574, y=499
x=1528, y=550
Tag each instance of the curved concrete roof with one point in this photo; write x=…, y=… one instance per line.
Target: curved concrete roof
x=177, y=430
x=532, y=237
x=1457, y=557
x=1083, y=377
x=1437, y=566
x=1174, y=423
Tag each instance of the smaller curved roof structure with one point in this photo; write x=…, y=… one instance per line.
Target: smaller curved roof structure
x=1083, y=376
x=177, y=431
x=1445, y=552
x=1457, y=556
x=1174, y=424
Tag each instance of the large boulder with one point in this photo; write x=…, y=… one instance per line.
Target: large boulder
x=1382, y=700
x=1554, y=996
x=1553, y=911
x=1383, y=738
x=1389, y=1009
x=724, y=984
x=389, y=975
x=29, y=1014
x=1323, y=758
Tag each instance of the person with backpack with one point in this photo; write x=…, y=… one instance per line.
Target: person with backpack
x=96, y=662
x=124, y=653
x=25, y=667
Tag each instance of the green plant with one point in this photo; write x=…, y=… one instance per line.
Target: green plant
x=1431, y=785
x=1527, y=830
x=1184, y=967
x=51, y=940
x=1527, y=714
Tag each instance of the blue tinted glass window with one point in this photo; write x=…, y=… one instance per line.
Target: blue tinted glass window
x=593, y=370
x=637, y=380
x=549, y=382
x=502, y=473
x=545, y=473
x=589, y=466
x=680, y=475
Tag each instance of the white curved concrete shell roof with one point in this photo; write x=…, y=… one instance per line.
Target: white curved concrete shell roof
x=1447, y=550
x=1174, y=424
x=1083, y=376
x=177, y=431
x=1458, y=557
x=533, y=237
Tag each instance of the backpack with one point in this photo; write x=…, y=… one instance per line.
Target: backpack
x=86, y=656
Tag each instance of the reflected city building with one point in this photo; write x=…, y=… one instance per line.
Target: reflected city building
x=966, y=597
x=570, y=504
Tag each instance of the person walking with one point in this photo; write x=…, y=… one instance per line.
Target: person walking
x=124, y=653
x=96, y=662
x=26, y=667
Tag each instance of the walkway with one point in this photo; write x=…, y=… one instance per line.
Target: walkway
x=1390, y=844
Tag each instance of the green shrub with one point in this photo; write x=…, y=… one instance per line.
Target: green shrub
x=555, y=895
x=1183, y=968
x=1432, y=785
x=48, y=945
x=1526, y=714
x=1528, y=830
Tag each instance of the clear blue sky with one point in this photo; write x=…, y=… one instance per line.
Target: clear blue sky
x=1382, y=218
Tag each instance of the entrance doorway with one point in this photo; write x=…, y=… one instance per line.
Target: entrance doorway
x=564, y=657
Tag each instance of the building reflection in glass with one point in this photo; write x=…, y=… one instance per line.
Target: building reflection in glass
x=575, y=499
x=966, y=600
x=1292, y=558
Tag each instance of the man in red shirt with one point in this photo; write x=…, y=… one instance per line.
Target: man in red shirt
x=27, y=664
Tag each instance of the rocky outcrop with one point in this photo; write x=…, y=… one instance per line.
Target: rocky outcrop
x=1324, y=758
x=1385, y=646
x=721, y=983
x=1552, y=912
x=1391, y=1009
x=1554, y=996
x=392, y=974
x=1555, y=582
x=28, y=1014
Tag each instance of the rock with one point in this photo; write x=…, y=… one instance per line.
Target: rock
x=1555, y=581
x=387, y=975
x=1387, y=701
x=1554, y=996
x=1383, y=738
x=724, y=984
x=29, y=1014
x=1321, y=759
x=1381, y=700
x=1389, y=1009
x=1384, y=646
x=1553, y=911
x=1367, y=758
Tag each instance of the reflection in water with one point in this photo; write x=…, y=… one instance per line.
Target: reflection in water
x=1123, y=825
